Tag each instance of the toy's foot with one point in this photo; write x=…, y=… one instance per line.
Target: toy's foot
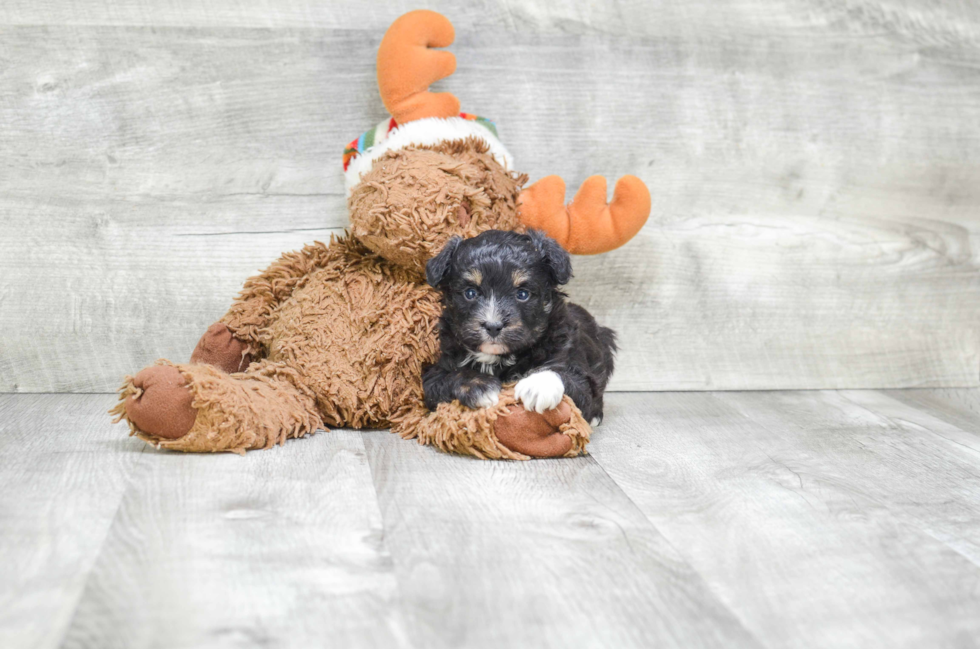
x=162, y=405
x=534, y=434
x=219, y=347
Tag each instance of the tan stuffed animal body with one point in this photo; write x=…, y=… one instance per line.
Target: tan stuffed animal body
x=337, y=334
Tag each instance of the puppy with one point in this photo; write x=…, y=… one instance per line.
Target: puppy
x=505, y=319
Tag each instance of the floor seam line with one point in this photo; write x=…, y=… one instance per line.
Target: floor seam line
x=710, y=589
x=102, y=545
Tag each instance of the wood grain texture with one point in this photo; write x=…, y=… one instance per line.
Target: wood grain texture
x=280, y=548
x=94, y=285
x=960, y=407
x=780, y=519
x=950, y=511
x=814, y=166
x=63, y=472
x=941, y=21
x=544, y=554
x=819, y=521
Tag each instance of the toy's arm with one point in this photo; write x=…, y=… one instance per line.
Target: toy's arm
x=262, y=293
x=235, y=341
x=587, y=225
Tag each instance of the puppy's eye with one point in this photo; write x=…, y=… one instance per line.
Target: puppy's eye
x=470, y=293
x=523, y=295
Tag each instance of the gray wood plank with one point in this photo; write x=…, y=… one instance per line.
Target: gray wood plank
x=250, y=13
x=129, y=281
x=812, y=517
x=63, y=472
x=927, y=472
x=813, y=169
x=925, y=21
x=280, y=548
x=960, y=407
x=949, y=506
x=543, y=553
x=761, y=302
x=737, y=519
x=121, y=112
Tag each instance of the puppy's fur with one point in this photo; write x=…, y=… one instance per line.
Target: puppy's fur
x=505, y=319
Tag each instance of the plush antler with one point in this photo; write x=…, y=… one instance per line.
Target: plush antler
x=588, y=225
x=406, y=67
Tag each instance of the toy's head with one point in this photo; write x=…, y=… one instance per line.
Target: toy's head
x=413, y=200
x=431, y=173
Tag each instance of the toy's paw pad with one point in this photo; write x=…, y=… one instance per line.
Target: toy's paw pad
x=162, y=407
x=537, y=435
x=540, y=392
x=219, y=347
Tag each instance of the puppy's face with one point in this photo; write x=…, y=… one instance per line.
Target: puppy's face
x=499, y=288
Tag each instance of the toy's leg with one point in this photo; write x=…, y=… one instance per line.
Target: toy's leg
x=506, y=431
x=201, y=408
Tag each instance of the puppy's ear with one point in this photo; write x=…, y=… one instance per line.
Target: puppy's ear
x=438, y=266
x=557, y=258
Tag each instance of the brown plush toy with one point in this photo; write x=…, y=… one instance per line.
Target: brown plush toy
x=338, y=334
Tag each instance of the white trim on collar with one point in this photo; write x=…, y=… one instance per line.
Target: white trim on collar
x=428, y=131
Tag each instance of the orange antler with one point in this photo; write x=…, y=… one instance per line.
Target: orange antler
x=406, y=67
x=588, y=225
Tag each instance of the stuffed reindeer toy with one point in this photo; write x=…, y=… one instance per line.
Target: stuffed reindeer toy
x=338, y=334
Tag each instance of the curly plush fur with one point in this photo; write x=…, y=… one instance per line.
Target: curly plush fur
x=414, y=200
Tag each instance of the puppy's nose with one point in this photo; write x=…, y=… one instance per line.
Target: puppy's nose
x=493, y=328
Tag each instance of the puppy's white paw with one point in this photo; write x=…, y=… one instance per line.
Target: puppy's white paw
x=488, y=399
x=541, y=391
x=595, y=421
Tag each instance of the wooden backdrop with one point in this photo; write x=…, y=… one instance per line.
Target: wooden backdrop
x=815, y=168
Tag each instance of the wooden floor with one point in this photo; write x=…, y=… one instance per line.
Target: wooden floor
x=741, y=519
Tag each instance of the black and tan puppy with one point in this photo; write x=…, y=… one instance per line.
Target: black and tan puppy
x=505, y=319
